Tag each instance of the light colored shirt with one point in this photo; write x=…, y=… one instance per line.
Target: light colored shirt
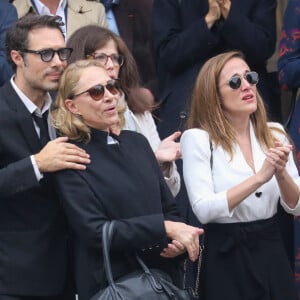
x=207, y=188
x=111, y=20
x=42, y=9
x=32, y=108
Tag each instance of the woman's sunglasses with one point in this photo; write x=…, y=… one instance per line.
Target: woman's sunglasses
x=235, y=81
x=97, y=92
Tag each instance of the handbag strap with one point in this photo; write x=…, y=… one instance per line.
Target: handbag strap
x=195, y=289
x=107, y=233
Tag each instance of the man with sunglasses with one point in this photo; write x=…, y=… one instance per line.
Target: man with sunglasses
x=33, y=239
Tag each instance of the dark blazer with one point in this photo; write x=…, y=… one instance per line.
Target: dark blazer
x=8, y=16
x=32, y=237
x=135, y=27
x=123, y=183
x=183, y=43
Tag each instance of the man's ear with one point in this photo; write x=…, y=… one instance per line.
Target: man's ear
x=17, y=57
x=72, y=107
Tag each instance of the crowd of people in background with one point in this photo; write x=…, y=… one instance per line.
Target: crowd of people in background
x=165, y=115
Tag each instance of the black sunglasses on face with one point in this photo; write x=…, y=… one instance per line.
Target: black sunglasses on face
x=48, y=54
x=97, y=92
x=235, y=81
x=103, y=58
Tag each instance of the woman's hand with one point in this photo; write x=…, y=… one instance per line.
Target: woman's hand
x=214, y=13
x=275, y=162
x=185, y=234
x=225, y=7
x=174, y=249
x=279, y=156
x=169, y=149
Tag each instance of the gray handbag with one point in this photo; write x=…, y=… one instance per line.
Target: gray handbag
x=146, y=284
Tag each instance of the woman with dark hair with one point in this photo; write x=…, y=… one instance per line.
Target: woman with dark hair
x=236, y=167
x=95, y=42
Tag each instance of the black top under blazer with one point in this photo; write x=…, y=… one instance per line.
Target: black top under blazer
x=33, y=251
x=123, y=183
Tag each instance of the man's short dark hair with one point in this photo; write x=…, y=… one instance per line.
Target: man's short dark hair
x=17, y=35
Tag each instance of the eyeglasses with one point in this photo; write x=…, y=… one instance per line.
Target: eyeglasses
x=97, y=92
x=103, y=58
x=235, y=81
x=48, y=54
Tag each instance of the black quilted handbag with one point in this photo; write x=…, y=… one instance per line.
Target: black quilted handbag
x=146, y=284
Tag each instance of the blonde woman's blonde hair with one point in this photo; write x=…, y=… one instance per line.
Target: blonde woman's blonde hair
x=67, y=123
x=207, y=113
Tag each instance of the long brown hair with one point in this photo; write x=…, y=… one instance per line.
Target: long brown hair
x=88, y=39
x=206, y=111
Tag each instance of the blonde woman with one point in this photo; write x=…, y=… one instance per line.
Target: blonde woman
x=123, y=182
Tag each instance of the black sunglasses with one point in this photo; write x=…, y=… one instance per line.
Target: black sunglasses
x=235, y=81
x=97, y=92
x=48, y=54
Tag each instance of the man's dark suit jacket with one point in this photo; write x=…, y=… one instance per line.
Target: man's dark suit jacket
x=135, y=27
x=183, y=43
x=32, y=236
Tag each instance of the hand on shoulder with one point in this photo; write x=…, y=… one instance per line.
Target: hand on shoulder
x=59, y=155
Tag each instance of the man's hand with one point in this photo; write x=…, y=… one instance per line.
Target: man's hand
x=59, y=155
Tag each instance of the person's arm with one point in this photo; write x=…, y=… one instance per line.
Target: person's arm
x=166, y=151
x=17, y=177
x=207, y=204
x=176, y=46
x=59, y=155
x=241, y=31
x=182, y=236
x=86, y=211
x=287, y=177
x=289, y=47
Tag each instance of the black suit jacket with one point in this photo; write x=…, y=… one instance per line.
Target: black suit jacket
x=123, y=183
x=32, y=236
x=183, y=43
x=135, y=27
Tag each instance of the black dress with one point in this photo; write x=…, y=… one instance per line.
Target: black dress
x=124, y=183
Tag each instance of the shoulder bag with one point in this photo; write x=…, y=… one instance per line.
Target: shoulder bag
x=144, y=284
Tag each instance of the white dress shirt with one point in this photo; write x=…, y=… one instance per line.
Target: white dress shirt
x=207, y=188
x=42, y=9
